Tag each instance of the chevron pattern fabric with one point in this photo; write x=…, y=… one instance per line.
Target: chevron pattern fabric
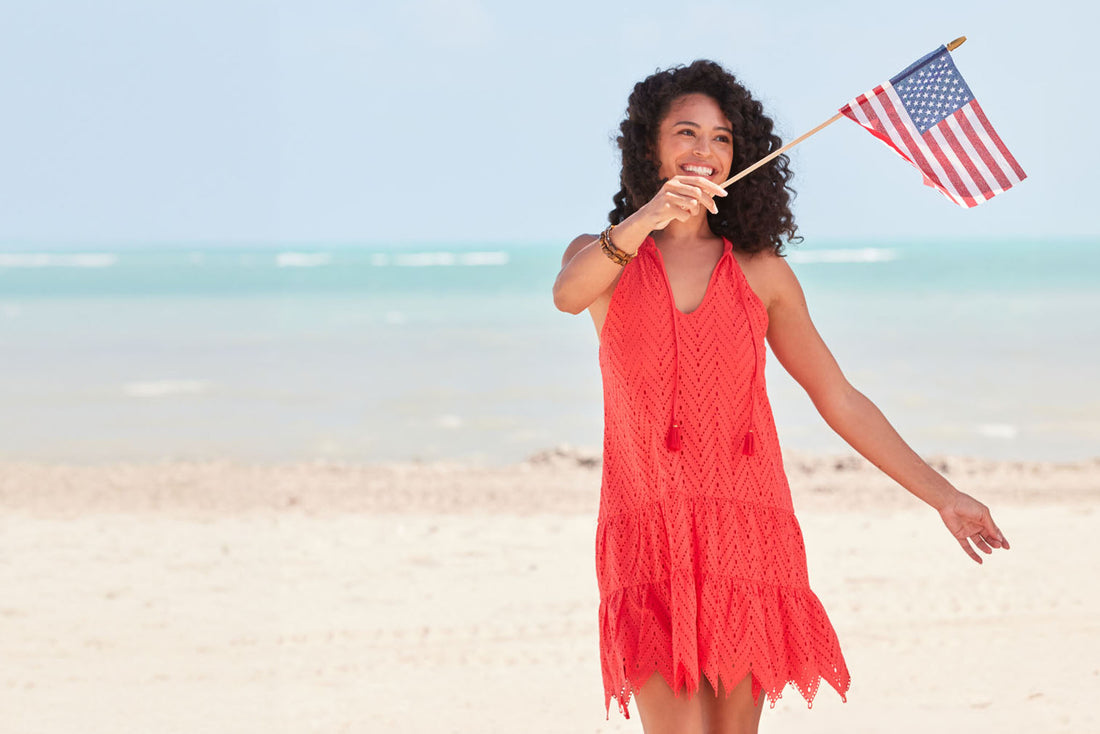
x=700, y=560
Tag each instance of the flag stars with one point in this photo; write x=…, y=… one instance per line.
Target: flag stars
x=932, y=92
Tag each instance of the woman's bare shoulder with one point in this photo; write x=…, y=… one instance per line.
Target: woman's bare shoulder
x=579, y=243
x=770, y=275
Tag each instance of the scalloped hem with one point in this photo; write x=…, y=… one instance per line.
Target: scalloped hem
x=809, y=693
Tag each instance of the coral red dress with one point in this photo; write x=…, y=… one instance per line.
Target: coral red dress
x=700, y=561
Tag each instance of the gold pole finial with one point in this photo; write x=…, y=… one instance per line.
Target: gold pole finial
x=956, y=43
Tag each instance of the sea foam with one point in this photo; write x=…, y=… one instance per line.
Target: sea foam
x=860, y=255
x=302, y=259
x=52, y=260
x=441, y=259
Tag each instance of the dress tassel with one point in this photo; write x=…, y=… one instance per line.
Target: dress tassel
x=748, y=448
x=673, y=438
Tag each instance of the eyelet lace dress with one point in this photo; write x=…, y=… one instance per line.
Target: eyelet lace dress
x=699, y=558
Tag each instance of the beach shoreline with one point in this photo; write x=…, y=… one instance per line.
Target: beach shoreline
x=568, y=480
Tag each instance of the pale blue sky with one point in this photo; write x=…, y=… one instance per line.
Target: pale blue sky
x=438, y=121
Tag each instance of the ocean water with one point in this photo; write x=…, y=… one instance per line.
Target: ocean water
x=457, y=353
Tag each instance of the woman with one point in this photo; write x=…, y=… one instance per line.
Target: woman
x=700, y=561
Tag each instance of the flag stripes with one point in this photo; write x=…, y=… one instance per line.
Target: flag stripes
x=955, y=148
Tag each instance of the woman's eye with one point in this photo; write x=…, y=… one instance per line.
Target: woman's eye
x=722, y=139
x=687, y=131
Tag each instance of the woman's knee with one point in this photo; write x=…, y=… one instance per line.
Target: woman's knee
x=664, y=711
x=731, y=711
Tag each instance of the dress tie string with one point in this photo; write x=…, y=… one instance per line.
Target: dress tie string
x=673, y=439
x=748, y=445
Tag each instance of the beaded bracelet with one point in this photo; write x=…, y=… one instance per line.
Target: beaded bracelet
x=617, y=256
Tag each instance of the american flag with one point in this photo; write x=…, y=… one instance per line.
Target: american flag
x=928, y=115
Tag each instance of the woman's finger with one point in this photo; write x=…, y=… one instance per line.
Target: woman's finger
x=704, y=197
x=983, y=546
x=993, y=533
x=692, y=208
x=993, y=539
x=687, y=190
x=969, y=551
x=683, y=203
x=670, y=211
x=712, y=189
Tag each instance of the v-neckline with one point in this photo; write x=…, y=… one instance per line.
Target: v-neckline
x=727, y=249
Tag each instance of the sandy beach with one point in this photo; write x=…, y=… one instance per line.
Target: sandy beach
x=323, y=597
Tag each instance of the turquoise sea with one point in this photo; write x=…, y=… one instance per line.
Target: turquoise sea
x=457, y=353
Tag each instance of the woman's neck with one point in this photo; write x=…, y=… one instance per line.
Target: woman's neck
x=694, y=231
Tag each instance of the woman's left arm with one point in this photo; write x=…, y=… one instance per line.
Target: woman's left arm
x=802, y=352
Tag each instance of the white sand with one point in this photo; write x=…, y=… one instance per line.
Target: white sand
x=224, y=598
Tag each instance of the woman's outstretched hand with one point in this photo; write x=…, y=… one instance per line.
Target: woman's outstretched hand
x=969, y=521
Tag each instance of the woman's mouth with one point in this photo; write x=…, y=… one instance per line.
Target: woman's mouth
x=696, y=170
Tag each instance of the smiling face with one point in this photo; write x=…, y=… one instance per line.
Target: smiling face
x=695, y=139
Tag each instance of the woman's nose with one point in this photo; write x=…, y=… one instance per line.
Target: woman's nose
x=702, y=146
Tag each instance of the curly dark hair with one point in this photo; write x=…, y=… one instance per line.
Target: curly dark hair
x=756, y=216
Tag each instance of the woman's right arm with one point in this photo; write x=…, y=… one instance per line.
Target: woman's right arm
x=587, y=273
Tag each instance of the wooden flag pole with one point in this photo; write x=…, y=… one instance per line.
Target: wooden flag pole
x=781, y=151
x=725, y=184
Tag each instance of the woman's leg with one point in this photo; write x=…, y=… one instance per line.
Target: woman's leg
x=735, y=714
x=662, y=712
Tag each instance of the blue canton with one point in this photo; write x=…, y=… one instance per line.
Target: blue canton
x=931, y=89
